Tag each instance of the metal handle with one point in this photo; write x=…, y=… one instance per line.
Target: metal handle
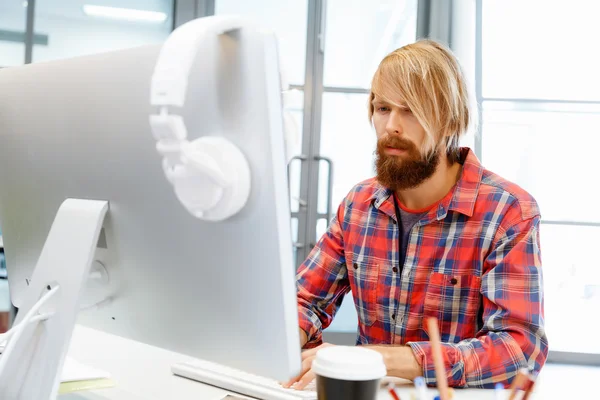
x=301, y=202
x=329, y=184
x=301, y=158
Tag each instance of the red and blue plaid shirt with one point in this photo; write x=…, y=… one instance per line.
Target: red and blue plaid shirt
x=473, y=262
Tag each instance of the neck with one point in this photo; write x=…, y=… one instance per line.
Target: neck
x=432, y=189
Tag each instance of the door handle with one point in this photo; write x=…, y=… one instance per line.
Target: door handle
x=301, y=158
x=329, y=163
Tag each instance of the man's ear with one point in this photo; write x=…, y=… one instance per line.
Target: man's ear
x=370, y=107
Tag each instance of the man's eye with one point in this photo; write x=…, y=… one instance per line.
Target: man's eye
x=382, y=109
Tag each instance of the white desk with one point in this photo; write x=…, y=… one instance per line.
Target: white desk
x=143, y=373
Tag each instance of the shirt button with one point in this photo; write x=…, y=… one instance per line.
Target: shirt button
x=453, y=281
x=355, y=266
x=393, y=316
x=395, y=269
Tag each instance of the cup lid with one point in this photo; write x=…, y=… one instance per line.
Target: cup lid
x=349, y=363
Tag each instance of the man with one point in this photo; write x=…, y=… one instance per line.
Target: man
x=434, y=234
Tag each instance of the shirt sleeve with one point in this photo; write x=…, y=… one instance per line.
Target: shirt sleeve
x=513, y=335
x=322, y=281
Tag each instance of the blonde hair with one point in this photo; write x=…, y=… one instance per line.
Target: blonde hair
x=428, y=78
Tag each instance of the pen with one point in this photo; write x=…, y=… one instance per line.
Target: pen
x=392, y=391
x=421, y=388
x=499, y=391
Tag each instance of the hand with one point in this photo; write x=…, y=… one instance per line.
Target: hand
x=306, y=376
x=303, y=338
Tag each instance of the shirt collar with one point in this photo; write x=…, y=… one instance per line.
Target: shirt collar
x=465, y=190
x=467, y=187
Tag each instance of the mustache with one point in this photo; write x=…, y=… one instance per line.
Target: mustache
x=395, y=142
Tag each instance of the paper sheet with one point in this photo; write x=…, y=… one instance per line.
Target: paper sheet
x=77, y=376
x=75, y=371
x=69, y=387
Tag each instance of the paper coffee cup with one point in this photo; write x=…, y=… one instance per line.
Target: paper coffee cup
x=348, y=373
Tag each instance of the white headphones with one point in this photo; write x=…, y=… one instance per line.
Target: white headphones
x=210, y=175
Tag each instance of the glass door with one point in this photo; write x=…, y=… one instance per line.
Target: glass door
x=358, y=34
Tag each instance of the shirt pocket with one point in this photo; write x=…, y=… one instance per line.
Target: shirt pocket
x=364, y=281
x=454, y=300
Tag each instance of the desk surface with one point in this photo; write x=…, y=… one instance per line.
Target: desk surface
x=143, y=372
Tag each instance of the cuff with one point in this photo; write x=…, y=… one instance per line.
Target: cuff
x=453, y=363
x=310, y=323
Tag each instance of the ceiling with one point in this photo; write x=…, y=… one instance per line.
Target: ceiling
x=73, y=9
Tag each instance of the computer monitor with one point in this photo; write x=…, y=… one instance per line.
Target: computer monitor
x=79, y=128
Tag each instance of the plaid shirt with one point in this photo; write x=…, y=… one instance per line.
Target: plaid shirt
x=473, y=262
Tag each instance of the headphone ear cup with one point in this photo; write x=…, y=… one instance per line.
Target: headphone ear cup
x=195, y=191
x=214, y=183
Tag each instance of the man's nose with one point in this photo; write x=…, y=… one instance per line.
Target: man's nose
x=394, y=124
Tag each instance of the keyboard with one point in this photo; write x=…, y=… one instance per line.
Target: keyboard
x=241, y=382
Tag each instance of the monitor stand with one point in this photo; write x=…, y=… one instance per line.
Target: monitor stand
x=35, y=361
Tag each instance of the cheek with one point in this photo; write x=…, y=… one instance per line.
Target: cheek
x=418, y=133
x=379, y=125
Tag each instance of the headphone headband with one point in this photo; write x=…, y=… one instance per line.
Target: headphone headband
x=170, y=78
x=210, y=175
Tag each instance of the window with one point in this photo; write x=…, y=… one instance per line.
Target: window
x=358, y=34
x=12, y=33
x=541, y=115
x=75, y=28
x=287, y=19
x=546, y=53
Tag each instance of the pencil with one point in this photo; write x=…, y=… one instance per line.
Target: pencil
x=438, y=361
x=529, y=387
x=518, y=382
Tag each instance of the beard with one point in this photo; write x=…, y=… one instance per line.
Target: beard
x=407, y=171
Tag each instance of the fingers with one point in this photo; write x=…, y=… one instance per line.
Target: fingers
x=306, y=375
x=306, y=366
x=304, y=381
